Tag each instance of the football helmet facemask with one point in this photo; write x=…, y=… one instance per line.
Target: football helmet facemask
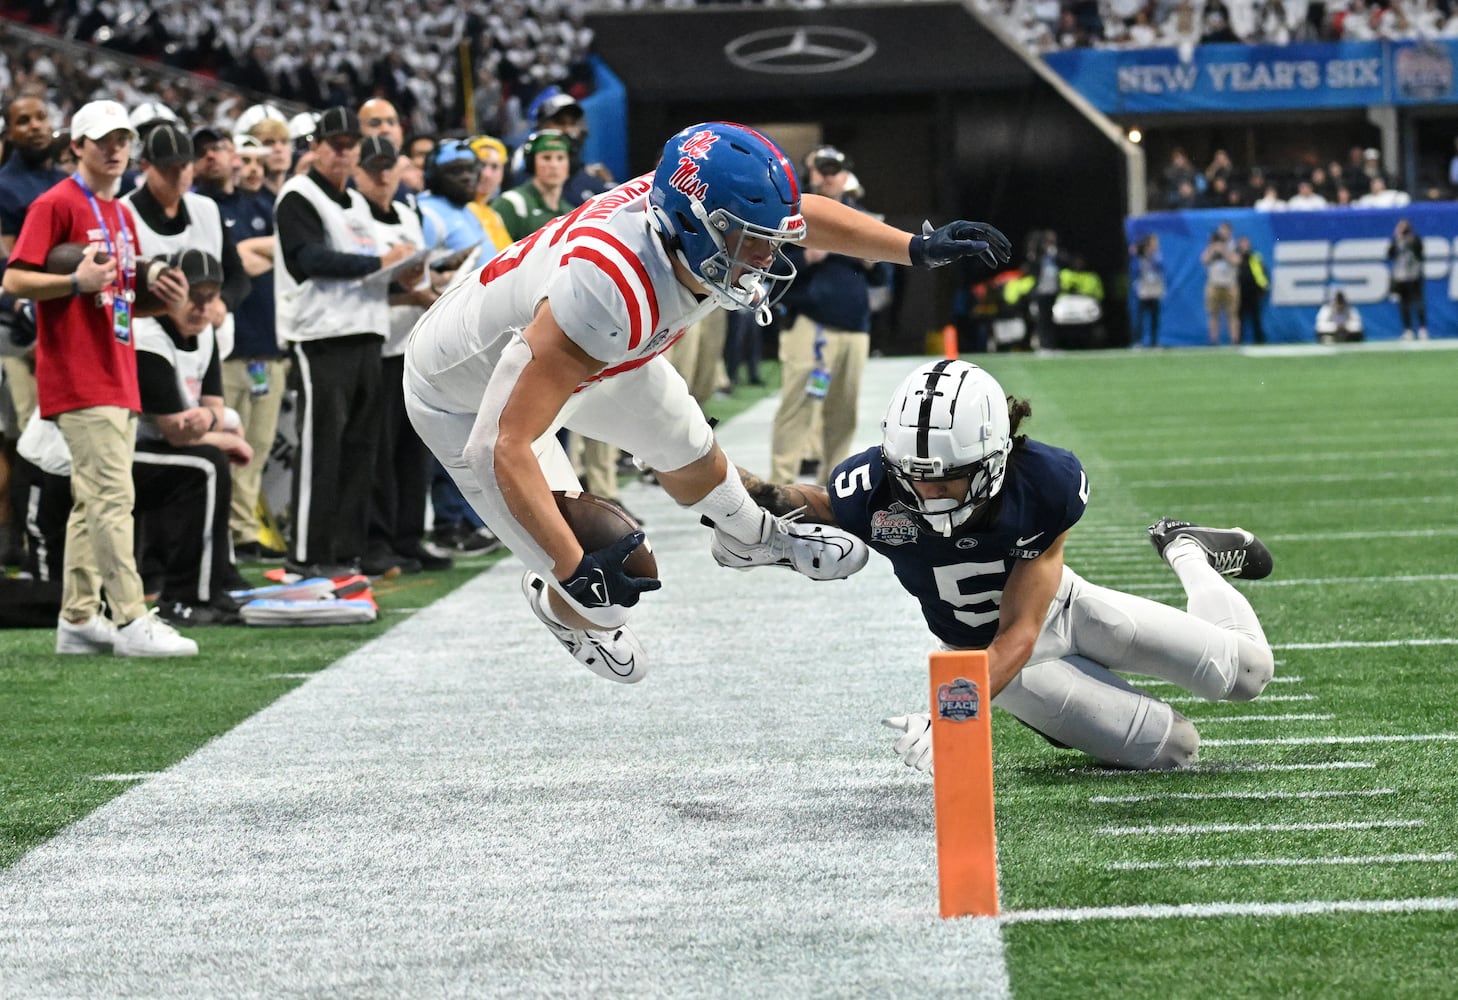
x=725, y=200
x=948, y=420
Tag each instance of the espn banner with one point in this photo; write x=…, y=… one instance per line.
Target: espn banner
x=1307, y=256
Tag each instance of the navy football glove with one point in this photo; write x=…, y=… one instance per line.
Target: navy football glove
x=600, y=580
x=935, y=247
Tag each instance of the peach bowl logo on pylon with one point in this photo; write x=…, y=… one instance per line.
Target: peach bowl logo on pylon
x=958, y=701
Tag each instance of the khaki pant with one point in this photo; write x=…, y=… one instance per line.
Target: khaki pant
x=599, y=462
x=100, y=532
x=260, y=422
x=810, y=428
x=699, y=354
x=20, y=378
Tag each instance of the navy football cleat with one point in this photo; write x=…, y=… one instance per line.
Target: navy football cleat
x=1232, y=551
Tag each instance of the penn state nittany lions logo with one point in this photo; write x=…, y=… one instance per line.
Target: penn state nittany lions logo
x=958, y=701
x=892, y=527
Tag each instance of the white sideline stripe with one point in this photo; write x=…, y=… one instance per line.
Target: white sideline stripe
x=1292, y=717
x=1257, y=796
x=1375, y=644
x=301, y=675
x=137, y=776
x=1370, y=859
x=1239, y=766
x=1264, y=699
x=1188, y=911
x=1192, y=829
x=1295, y=741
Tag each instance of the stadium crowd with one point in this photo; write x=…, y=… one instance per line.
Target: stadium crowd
x=318, y=55
x=310, y=246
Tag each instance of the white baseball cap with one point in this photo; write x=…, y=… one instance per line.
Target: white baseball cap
x=99, y=119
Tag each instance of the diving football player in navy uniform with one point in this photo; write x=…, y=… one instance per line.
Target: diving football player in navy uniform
x=973, y=518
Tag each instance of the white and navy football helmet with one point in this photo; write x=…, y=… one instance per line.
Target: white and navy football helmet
x=948, y=420
x=718, y=185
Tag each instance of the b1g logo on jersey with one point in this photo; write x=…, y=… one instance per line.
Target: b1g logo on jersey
x=958, y=701
x=892, y=527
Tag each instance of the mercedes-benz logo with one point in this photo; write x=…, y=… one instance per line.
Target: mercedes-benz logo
x=800, y=50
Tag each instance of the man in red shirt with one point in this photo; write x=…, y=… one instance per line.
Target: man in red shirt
x=86, y=381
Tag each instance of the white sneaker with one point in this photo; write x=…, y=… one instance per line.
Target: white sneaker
x=149, y=635
x=818, y=551
x=615, y=654
x=96, y=634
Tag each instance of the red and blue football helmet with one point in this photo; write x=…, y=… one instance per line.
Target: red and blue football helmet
x=718, y=185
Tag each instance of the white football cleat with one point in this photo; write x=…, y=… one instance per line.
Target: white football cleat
x=818, y=551
x=612, y=653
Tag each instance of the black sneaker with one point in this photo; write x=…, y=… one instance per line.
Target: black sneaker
x=381, y=564
x=332, y=571
x=181, y=614
x=429, y=561
x=258, y=552
x=477, y=542
x=1232, y=551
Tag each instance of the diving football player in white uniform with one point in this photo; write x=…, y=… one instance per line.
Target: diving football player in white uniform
x=567, y=328
x=973, y=518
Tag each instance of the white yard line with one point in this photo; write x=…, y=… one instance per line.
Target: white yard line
x=1147, y=587
x=1297, y=741
x=1371, y=644
x=1199, y=829
x=1264, y=699
x=1427, y=472
x=1242, y=461
x=1280, y=679
x=1255, y=796
x=1370, y=859
x=1206, y=720
x=137, y=776
x=1228, y=767
x=1188, y=911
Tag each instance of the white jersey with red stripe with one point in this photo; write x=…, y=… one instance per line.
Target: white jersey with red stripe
x=608, y=278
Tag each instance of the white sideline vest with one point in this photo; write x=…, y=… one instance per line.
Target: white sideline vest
x=323, y=308
x=188, y=367
x=204, y=229
x=402, y=318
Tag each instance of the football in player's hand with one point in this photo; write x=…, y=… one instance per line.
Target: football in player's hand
x=148, y=271
x=597, y=523
x=64, y=257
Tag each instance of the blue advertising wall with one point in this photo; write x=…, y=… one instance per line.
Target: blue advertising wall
x=1307, y=255
x=1237, y=78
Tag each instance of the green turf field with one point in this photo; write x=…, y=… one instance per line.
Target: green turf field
x=1347, y=465
x=1293, y=862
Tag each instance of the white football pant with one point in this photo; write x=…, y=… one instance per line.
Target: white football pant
x=1069, y=693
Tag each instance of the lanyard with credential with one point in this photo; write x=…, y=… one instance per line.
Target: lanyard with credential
x=124, y=273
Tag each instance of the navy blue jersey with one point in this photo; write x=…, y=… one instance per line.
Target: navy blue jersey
x=959, y=580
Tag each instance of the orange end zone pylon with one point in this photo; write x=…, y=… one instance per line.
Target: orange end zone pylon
x=961, y=717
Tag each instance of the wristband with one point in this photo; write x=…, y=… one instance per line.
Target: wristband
x=75, y=284
x=214, y=425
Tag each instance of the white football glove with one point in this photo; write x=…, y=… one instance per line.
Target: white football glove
x=915, y=747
